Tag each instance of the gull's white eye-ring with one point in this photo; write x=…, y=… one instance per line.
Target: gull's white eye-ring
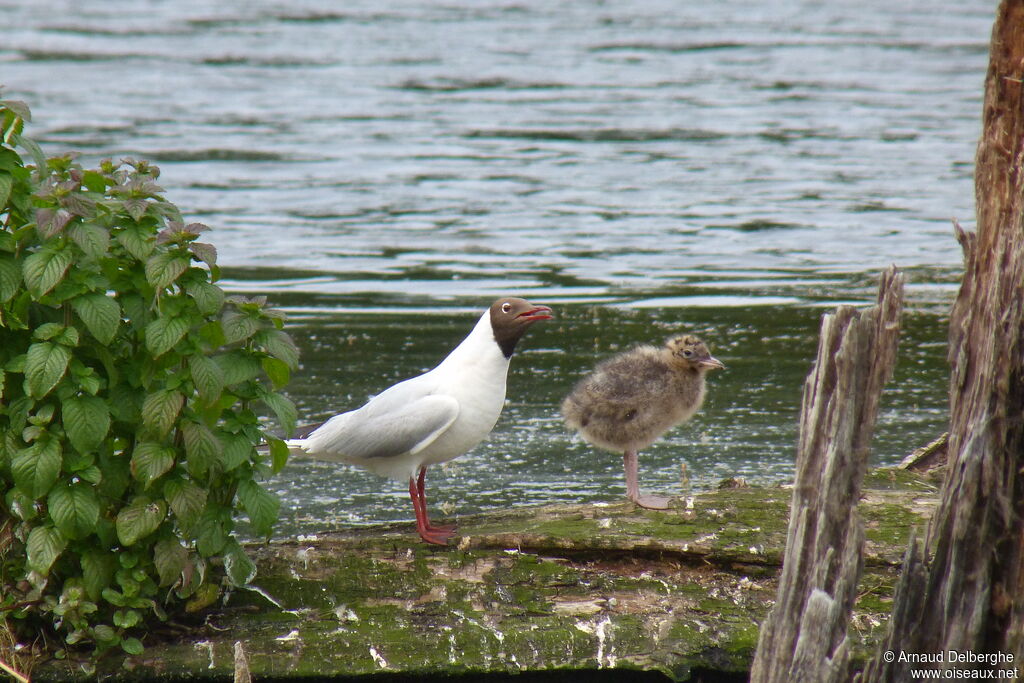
x=506, y=307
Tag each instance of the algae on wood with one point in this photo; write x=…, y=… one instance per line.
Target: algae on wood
x=532, y=589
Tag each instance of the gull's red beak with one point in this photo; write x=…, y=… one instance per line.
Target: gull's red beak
x=536, y=313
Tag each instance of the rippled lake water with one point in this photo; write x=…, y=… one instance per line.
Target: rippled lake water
x=382, y=171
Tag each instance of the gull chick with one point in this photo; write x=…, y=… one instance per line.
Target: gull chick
x=432, y=418
x=631, y=399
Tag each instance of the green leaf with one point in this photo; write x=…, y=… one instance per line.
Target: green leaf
x=238, y=326
x=68, y=336
x=44, y=546
x=22, y=506
x=105, y=634
x=47, y=331
x=209, y=297
x=127, y=619
x=164, y=267
x=187, y=501
x=89, y=382
x=283, y=408
x=8, y=242
x=235, y=450
x=10, y=277
x=150, y=461
x=207, y=377
x=75, y=509
x=94, y=181
x=139, y=519
x=239, y=567
x=211, y=335
x=86, y=422
x=45, y=364
x=125, y=401
x=116, y=477
x=261, y=506
x=132, y=646
x=44, y=269
x=92, y=239
x=237, y=366
x=201, y=447
x=279, y=345
x=169, y=557
x=277, y=371
x=100, y=313
x=92, y=474
x=6, y=185
x=136, y=308
x=136, y=208
x=35, y=469
x=19, y=409
x=18, y=108
x=211, y=535
x=163, y=333
x=97, y=572
x=160, y=409
x=9, y=159
x=44, y=414
x=31, y=146
x=137, y=241
x=114, y=597
x=278, y=454
x=204, y=596
x=76, y=462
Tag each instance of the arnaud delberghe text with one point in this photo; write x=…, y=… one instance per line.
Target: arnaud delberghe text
x=956, y=657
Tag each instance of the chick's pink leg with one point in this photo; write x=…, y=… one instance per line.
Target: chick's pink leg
x=629, y=460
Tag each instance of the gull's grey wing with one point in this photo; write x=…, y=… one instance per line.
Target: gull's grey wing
x=402, y=420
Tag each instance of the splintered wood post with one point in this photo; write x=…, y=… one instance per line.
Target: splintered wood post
x=969, y=597
x=804, y=637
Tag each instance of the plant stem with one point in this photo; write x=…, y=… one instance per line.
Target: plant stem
x=17, y=676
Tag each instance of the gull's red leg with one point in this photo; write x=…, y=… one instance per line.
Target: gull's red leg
x=421, y=485
x=427, y=532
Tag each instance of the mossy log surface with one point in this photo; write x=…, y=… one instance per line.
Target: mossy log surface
x=532, y=589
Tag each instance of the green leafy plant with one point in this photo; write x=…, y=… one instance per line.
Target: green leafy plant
x=130, y=387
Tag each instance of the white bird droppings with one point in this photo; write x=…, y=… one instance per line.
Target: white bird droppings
x=378, y=658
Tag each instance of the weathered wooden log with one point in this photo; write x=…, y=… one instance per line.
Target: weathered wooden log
x=930, y=457
x=554, y=588
x=969, y=597
x=804, y=637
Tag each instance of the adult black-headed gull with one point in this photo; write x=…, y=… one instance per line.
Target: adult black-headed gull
x=631, y=399
x=432, y=418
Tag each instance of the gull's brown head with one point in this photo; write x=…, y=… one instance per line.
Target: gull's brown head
x=511, y=317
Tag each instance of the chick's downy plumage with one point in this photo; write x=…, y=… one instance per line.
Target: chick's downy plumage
x=630, y=400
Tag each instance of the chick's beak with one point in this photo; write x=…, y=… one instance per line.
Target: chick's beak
x=536, y=313
x=711, y=363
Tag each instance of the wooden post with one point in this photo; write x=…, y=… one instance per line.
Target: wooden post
x=969, y=597
x=804, y=637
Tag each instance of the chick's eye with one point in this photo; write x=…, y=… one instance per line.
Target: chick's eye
x=506, y=307
x=687, y=353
